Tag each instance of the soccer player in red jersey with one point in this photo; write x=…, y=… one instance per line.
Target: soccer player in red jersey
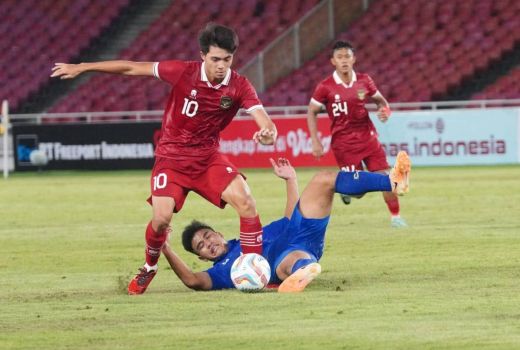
x=205, y=97
x=354, y=137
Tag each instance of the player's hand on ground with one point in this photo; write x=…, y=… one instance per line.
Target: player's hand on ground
x=283, y=168
x=317, y=149
x=65, y=71
x=264, y=136
x=383, y=113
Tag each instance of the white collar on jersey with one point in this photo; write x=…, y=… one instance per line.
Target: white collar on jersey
x=204, y=77
x=338, y=80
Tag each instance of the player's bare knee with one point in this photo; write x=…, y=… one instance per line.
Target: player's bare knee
x=161, y=221
x=246, y=206
x=326, y=179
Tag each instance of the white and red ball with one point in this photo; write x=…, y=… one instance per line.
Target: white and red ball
x=250, y=272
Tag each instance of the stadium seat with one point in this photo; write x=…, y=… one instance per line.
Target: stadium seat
x=173, y=36
x=53, y=30
x=414, y=41
x=505, y=87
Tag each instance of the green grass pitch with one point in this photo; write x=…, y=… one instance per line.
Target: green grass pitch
x=70, y=242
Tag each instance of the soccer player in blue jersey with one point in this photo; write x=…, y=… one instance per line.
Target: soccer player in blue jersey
x=292, y=245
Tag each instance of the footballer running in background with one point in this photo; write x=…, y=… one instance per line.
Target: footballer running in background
x=355, y=143
x=205, y=97
x=292, y=245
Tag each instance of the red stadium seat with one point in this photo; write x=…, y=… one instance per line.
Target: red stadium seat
x=505, y=87
x=173, y=36
x=59, y=28
x=416, y=40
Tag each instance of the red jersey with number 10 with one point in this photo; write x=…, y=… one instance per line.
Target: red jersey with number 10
x=345, y=105
x=197, y=111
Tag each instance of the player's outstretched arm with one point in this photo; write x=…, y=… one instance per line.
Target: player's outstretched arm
x=283, y=169
x=193, y=280
x=70, y=71
x=312, y=123
x=267, y=133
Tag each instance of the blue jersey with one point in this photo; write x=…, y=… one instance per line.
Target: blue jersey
x=280, y=237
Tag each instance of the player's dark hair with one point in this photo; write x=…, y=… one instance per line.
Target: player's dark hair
x=217, y=35
x=338, y=45
x=189, y=232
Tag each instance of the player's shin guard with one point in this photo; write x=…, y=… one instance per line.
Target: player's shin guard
x=359, y=182
x=251, y=235
x=154, y=243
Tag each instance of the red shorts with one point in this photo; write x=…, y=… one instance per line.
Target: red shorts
x=209, y=184
x=371, y=155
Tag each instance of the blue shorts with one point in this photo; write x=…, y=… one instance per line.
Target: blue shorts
x=304, y=234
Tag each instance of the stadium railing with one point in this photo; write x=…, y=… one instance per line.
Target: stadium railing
x=301, y=41
x=274, y=112
x=299, y=112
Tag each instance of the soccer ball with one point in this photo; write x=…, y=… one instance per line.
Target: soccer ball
x=250, y=272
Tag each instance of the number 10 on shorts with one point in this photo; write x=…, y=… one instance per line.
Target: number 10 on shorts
x=159, y=181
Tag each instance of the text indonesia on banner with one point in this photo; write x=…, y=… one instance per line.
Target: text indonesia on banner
x=448, y=137
x=453, y=137
x=293, y=143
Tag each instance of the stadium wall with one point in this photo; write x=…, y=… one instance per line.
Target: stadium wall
x=432, y=138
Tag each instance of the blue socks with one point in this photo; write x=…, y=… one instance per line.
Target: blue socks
x=301, y=263
x=359, y=182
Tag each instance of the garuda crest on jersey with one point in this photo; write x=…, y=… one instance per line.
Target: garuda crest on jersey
x=226, y=102
x=361, y=93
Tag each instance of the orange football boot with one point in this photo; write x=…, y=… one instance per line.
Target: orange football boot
x=300, y=279
x=400, y=174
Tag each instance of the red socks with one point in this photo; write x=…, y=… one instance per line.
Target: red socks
x=154, y=243
x=250, y=239
x=392, y=202
x=251, y=235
